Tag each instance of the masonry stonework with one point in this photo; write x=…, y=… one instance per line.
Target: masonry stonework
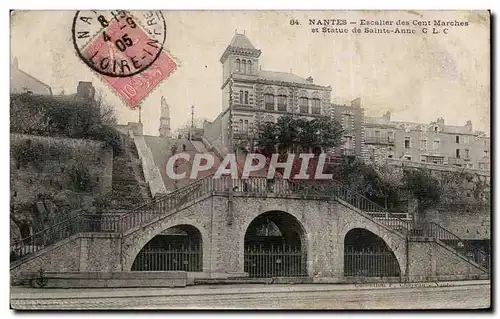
x=324, y=225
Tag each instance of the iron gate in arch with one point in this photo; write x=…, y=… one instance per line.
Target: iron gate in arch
x=376, y=261
x=265, y=261
x=178, y=248
x=171, y=258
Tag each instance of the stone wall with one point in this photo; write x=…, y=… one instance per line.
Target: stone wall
x=100, y=252
x=44, y=168
x=468, y=224
x=430, y=260
x=216, y=132
x=150, y=169
x=63, y=256
x=323, y=224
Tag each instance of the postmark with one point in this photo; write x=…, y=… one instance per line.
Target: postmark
x=119, y=43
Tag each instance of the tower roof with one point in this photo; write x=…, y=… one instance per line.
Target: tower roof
x=240, y=45
x=241, y=41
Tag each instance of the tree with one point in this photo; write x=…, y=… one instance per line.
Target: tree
x=423, y=187
x=290, y=133
x=106, y=111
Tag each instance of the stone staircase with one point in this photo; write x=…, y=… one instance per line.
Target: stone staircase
x=129, y=188
x=171, y=203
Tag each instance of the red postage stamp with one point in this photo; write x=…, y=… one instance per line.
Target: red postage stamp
x=125, y=49
x=135, y=88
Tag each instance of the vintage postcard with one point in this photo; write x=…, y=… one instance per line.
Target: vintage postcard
x=250, y=159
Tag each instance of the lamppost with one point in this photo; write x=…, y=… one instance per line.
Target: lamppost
x=192, y=123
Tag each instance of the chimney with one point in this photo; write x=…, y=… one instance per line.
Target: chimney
x=309, y=79
x=469, y=125
x=387, y=116
x=356, y=102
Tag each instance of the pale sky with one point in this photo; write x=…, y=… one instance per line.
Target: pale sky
x=416, y=77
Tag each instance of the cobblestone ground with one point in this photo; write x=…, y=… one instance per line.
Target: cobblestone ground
x=464, y=296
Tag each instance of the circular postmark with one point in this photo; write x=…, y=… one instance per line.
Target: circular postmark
x=118, y=43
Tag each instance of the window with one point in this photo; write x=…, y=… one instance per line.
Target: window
x=269, y=101
x=241, y=97
x=457, y=153
x=485, y=153
x=435, y=145
x=282, y=103
x=407, y=142
x=457, y=139
x=238, y=65
x=241, y=126
x=249, y=67
x=390, y=155
x=347, y=121
x=246, y=97
x=243, y=66
x=466, y=139
x=304, y=105
x=316, y=108
x=408, y=157
x=467, y=153
x=482, y=166
x=348, y=142
x=423, y=144
x=377, y=133
x=436, y=129
x=245, y=126
x=390, y=136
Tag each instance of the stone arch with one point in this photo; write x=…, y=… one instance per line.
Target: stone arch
x=396, y=243
x=367, y=255
x=303, y=93
x=269, y=90
x=134, y=244
x=275, y=243
x=269, y=118
x=283, y=91
x=178, y=248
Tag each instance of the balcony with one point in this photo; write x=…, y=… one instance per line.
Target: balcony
x=381, y=140
x=456, y=161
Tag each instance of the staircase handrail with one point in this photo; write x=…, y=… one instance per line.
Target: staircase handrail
x=365, y=204
x=461, y=246
x=164, y=203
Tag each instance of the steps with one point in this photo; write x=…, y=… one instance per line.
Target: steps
x=129, y=188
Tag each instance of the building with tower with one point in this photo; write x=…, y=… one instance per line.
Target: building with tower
x=251, y=95
x=164, y=119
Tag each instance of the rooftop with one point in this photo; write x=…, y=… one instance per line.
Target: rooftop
x=282, y=77
x=241, y=41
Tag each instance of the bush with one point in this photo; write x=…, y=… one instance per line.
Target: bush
x=82, y=179
x=62, y=116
